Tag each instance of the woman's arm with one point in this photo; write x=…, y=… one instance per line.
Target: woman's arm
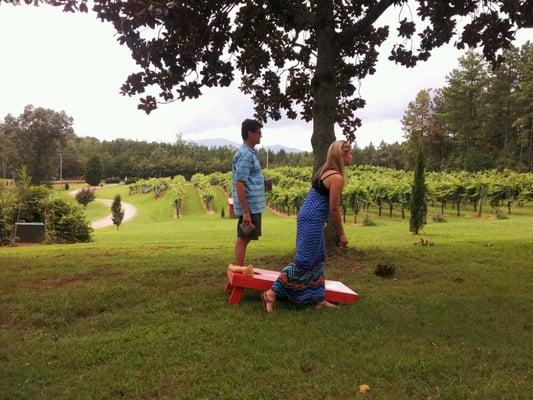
x=336, y=183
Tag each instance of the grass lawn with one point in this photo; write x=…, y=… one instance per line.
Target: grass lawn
x=221, y=202
x=96, y=210
x=140, y=313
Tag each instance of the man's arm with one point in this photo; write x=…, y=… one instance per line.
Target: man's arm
x=241, y=194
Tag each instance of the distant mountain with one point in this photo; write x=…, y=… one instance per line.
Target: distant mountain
x=277, y=147
x=220, y=142
x=217, y=143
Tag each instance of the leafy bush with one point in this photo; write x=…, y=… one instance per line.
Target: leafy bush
x=117, y=211
x=500, y=214
x=367, y=221
x=66, y=222
x=67, y=186
x=8, y=211
x=417, y=203
x=114, y=179
x=93, y=171
x=32, y=203
x=438, y=217
x=131, y=180
x=85, y=196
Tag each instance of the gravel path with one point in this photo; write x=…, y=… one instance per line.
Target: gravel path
x=130, y=211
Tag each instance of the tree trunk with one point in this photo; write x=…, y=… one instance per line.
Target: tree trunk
x=324, y=97
x=323, y=84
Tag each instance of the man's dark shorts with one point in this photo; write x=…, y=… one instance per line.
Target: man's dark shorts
x=254, y=235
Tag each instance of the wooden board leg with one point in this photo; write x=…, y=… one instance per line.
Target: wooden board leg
x=236, y=295
x=228, y=288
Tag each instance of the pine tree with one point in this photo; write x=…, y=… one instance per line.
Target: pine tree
x=417, y=203
x=93, y=171
x=463, y=112
x=116, y=211
x=423, y=127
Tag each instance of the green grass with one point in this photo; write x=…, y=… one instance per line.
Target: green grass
x=96, y=210
x=220, y=202
x=140, y=313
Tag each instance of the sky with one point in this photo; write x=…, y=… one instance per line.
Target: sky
x=72, y=62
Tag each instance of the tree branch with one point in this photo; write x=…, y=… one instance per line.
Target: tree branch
x=366, y=22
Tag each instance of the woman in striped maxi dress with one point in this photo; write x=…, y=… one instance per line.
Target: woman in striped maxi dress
x=302, y=281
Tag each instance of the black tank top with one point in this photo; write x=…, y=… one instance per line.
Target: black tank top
x=318, y=184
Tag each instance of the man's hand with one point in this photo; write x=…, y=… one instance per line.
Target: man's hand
x=246, y=217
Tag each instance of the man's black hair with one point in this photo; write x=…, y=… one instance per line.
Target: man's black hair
x=249, y=125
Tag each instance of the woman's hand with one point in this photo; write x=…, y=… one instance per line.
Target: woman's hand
x=343, y=240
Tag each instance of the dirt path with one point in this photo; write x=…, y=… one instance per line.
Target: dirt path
x=130, y=211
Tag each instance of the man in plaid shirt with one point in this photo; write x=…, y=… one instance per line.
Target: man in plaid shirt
x=248, y=189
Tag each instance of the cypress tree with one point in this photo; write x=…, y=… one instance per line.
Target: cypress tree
x=93, y=171
x=116, y=211
x=417, y=203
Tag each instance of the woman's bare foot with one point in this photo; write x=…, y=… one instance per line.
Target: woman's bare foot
x=326, y=304
x=268, y=300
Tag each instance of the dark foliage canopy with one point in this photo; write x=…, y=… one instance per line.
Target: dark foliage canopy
x=117, y=214
x=298, y=58
x=417, y=202
x=94, y=171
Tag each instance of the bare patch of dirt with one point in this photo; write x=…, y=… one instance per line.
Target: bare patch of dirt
x=162, y=247
x=275, y=263
x=76, y=279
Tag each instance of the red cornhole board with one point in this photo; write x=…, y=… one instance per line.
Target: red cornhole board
x=336, y=292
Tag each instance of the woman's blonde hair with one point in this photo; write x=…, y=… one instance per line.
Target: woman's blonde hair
x=335, y=157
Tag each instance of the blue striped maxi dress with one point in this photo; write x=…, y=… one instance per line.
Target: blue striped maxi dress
x=302, y=281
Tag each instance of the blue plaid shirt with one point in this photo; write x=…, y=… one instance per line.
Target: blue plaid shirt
x=246, y=168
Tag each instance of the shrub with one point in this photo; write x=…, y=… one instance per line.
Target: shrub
x=131, y=180
x=85, y=196
x=438, y=217
x=114, y=179
x=417, y=205
x=367, y=221
x=93, y=171
x=116, y=211
x=8, y=211
x=67, y=186
x=66, y=222
x=31, y=204
x=500, y=214
x=30, y=199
